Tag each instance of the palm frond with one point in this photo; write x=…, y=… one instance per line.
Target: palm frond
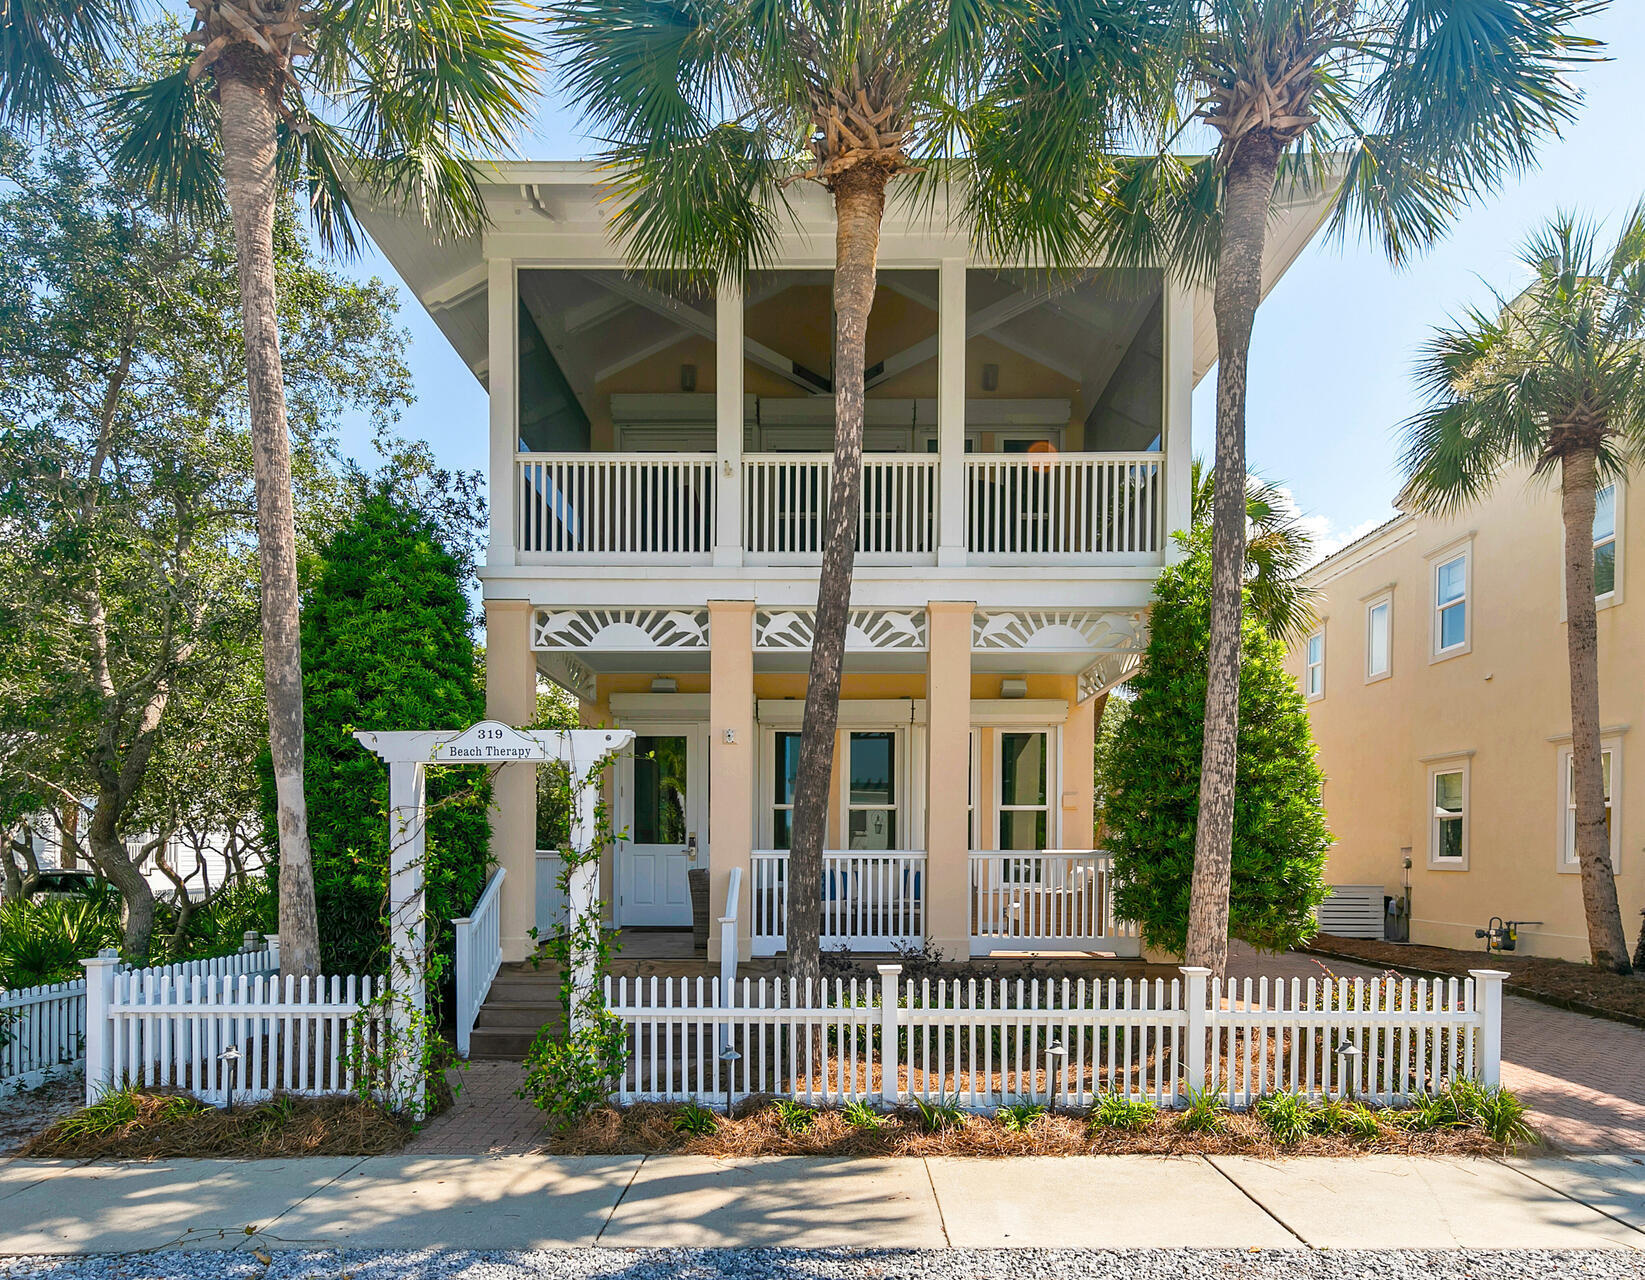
x=166, y=138
x=49, y=51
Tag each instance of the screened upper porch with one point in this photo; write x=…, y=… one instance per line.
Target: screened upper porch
x=1010, y=418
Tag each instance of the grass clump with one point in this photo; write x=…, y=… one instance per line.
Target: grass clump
x=1202, y=1114
x=1286, y=1115
x=1121, y=1114
x=939, y=1115
x=1337, y=1117
x=793, y=1116
x=697, y=1121
x=1019, y=1116
x=859, y=1115
x=1466, y=1104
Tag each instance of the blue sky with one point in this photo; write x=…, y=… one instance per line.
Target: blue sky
x=1334, y=343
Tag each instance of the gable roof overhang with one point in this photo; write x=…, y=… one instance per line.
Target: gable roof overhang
x=556, y=213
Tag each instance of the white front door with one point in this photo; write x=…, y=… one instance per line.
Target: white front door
x=660, y=812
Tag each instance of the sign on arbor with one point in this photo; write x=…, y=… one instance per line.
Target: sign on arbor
x=489, y=742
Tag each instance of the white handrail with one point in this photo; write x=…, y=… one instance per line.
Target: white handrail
x=728, y=930
x=479, y=956
x=1026, y=507
x=611, y=507
x=785, y=505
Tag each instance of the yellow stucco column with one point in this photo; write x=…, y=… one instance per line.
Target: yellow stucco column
x=1078, y=739
x=511, y=696
x=733, y=752
x=948, y=768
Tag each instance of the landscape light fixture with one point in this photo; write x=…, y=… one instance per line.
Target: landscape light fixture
x=730, y=1057
x=1348, y=1055
x=1054, y=1055
x=229, y=1057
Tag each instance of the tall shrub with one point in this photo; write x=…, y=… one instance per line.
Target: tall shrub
x=1280, y=836
x=387, y=645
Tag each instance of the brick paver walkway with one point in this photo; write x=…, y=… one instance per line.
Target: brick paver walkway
x=1583, y=1078
x=487, y=1118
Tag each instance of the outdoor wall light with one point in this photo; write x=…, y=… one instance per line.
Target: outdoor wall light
x=229, y=1057
x=665, y=684
x=1014, y=687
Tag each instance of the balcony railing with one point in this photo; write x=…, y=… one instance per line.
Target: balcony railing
x=1061, y=506
x=1019, y=509
x=785, y=507
x=871, y=901
x=1052, y=901
x=612, y=507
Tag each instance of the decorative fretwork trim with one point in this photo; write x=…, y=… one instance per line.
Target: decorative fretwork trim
x=868, y=630
x=1060, y=630
x=619, y=630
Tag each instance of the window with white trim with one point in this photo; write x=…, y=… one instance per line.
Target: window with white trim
x=1379, y=638
x=1610, y=770
x=1605, y=542
x=1448, y=819
x=1451, y=604
x=785, y=759
x=1025, y=797
x=871, y=790
x=1313, y=671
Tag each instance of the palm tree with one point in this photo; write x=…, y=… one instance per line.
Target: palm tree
x=1278, y=550
x=1554, y=380
x=1401, y=110
x=361, y=95
x=714, y=108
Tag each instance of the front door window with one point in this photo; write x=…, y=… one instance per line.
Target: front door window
x=659, y=790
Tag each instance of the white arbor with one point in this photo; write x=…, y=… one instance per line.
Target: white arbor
x=409, y=754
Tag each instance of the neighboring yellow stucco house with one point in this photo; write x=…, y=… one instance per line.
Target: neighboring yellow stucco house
x=1437, y=686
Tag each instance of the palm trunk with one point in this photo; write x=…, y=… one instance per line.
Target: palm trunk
x=859, y=204
x=247, y=90
x=1248, y=190
x=1606, y=942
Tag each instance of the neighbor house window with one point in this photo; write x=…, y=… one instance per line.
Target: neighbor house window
x=1379, y=628
x=1605, y=542
x=1610, y=770
x=786, y=761
x=1451, y=605
x=1448, y=816
x=871, y=790
x=1313, y=679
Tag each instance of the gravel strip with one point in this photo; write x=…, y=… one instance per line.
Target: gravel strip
x=842, y=1264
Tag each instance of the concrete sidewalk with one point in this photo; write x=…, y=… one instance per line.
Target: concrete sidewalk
x=546, y=1202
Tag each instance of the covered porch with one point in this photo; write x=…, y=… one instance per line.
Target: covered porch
x=960, y=813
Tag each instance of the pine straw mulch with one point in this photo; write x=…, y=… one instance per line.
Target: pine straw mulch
x=159, y=1126
x=756, y=1130
x=1564, y=983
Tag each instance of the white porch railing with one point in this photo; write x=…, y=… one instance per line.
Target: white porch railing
x=728, y=929
x=785, y=506
x=612, y=507
x=1062, y=507
x=1052, y=901
x=871, y=901
x=479, y=956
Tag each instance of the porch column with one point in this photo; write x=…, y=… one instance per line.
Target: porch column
x=732, y=757
x=503, y=326
x=511, y=696
x=951, y=412
x=728, y=425
x=948, y=770
x=1179, y=394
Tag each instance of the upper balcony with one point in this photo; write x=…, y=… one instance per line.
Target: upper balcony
x=1010, y=420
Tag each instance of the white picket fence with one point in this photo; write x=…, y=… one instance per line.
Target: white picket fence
x=218, y=1035
x=42, y=1032
x=479, y=945
x=43, y=1029
x=983, y=1043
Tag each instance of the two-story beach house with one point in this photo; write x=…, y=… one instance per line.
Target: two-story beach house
x=659, y=469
